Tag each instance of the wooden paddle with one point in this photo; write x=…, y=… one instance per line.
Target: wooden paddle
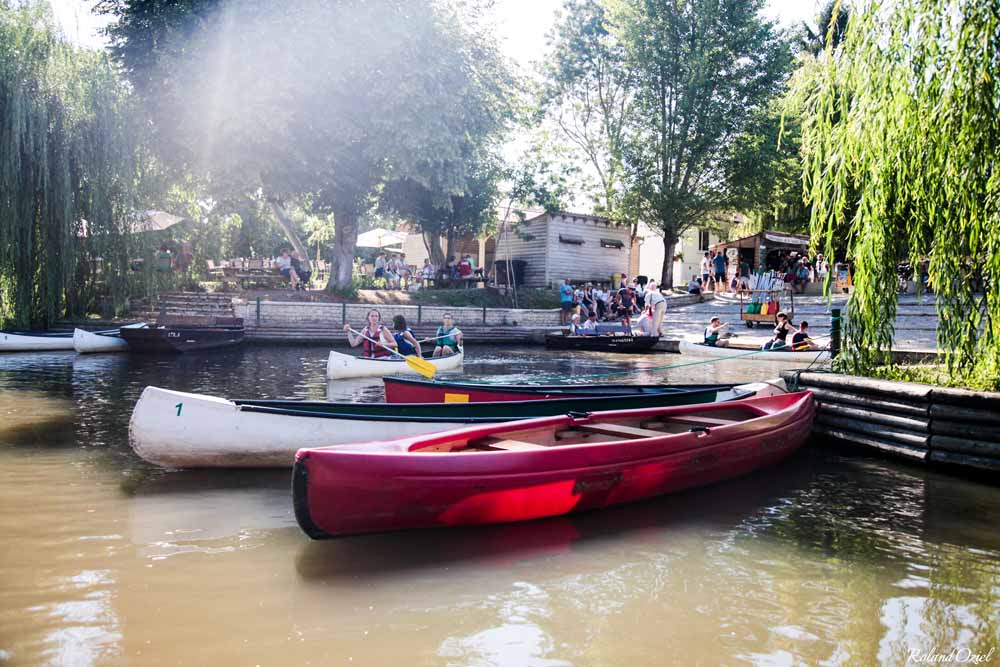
x=422, y=366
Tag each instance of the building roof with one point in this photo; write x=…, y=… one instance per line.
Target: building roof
x=780, y=238
x=568, y=214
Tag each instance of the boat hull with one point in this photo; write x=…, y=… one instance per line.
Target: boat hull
x=180, y=430
x=181, y=339
x=386, y=486
x=89, y=342
x=624, y=343
x=34, y=342
x=803, y=357
x=407, y=390
x=340, y=366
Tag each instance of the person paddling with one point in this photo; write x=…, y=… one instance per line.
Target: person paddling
x=406, y=343
x=801, y=339
x=448, y=337
x=781, y=331
x=376, y=331
x=712, y=333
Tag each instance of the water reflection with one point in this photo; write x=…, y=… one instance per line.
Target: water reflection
x=826, y=560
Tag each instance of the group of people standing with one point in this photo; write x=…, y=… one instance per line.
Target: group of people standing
x=584, y=307
x=378, y=340
x=393, y=269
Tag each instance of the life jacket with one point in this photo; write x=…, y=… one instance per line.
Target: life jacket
x=371, y=350
x=405, y=347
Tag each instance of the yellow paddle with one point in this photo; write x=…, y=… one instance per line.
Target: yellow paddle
x=422, y=366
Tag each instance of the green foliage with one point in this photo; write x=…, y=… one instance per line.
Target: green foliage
x=70, y=171
x=670, y=101
x=831, y=28
x=901, y=139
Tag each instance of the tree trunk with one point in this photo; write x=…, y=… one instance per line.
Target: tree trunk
x=345, y=240
x=667, y=274
x=286, y=227
x=432, y=242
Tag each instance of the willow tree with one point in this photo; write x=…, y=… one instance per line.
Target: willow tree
x=67, y=170
x=906, y=116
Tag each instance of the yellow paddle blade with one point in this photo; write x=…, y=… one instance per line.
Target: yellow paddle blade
x=422, y=366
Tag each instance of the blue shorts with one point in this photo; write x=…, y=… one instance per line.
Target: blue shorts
x=286, y=272
x=567, y=305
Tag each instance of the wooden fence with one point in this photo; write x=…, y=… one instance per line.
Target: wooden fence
x=914, y=421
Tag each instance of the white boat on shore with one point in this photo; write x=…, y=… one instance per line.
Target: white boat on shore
x=181, y=430
x=87, y=342
x=341, y=365
x=753, y=354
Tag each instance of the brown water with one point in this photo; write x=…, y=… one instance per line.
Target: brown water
x=829, y=559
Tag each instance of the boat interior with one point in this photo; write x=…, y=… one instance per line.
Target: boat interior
x=584, y=431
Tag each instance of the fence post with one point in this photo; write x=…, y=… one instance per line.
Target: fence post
x=343, y=312
x=419, y=312
x=835, y=322
x=258, y=311
x=484, y=314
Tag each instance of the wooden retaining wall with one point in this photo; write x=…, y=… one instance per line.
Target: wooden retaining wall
x=915, y=421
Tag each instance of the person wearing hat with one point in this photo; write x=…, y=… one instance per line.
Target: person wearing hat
x=574, y=324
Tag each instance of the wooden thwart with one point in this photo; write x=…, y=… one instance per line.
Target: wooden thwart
x=510, y=445
x=620, y=430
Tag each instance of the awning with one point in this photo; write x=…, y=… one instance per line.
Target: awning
x=380, y=238
x=612, y=243
x=785, y=240
x=574, y=240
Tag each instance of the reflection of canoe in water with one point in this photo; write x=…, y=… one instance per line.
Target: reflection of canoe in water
x=609, y=343
x=408, y=390
x=541, y=467
x=349, y=366
x=180, y=430
x=749, y=354
x=86, y=342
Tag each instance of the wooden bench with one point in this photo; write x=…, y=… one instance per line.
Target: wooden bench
x=620, y=430
x=507, y=445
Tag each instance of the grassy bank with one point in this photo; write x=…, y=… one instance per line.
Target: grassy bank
x=937, y=375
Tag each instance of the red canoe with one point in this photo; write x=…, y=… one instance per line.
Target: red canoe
x=408, y=390
x=541, y=467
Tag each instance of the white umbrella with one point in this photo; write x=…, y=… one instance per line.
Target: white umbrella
x=380, y=238
x=156, y=221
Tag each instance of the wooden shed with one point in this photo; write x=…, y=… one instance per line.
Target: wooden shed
x=556, y=246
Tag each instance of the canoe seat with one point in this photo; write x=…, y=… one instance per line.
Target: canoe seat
x=509, y=445
x=620, y=430
x=699, y=421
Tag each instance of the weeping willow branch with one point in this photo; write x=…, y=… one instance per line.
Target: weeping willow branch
x=901, y=142
x=69, y=171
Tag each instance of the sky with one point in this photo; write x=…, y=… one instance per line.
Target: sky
x=522, y=24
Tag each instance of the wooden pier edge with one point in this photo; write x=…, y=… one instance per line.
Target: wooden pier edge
x=951, y=427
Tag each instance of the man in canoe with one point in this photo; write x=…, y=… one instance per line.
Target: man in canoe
x=374, y=331
x=448, y=338
x=801, y=339
x=712, y=334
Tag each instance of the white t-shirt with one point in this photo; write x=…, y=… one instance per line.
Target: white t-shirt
x=706, y=265
x=284, y=262
x=654, y=298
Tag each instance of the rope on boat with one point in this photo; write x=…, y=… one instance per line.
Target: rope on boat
x=628, y=371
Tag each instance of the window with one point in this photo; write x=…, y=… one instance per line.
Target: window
x=612, y=243
x=572, y=240
x=703, y=240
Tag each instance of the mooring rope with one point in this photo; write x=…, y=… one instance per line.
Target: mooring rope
x=629, y=371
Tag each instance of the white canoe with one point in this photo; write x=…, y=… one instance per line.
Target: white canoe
x=340, y=366
x=86, y=342
x=32, y=342
x=180, y=430
x=748, y=354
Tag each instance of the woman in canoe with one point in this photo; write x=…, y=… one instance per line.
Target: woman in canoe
x=376, y=331
x=781, y=332
x=448, y=338
x=406, y=344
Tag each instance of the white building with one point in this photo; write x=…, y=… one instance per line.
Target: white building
x=694, y=243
